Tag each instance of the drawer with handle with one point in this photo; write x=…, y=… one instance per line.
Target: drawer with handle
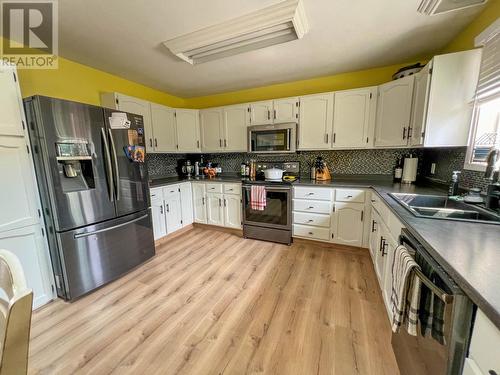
x=311, y=232
x=170, y=190
x=306, y=205
x=350, y=195
x=214, y=188
x=232, y=188
x=323, y=194
x=317, y=220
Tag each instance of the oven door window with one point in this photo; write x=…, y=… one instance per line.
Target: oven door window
x=270, y=140
x=275, y=214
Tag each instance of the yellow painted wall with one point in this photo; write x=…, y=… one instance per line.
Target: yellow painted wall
x=362, y=78
x=465, y=40
x=78, y=82
x=81, y=83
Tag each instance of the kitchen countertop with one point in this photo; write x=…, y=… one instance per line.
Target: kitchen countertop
x=468, y=252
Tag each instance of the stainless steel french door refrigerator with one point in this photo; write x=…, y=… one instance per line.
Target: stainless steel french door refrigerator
x=93, y=182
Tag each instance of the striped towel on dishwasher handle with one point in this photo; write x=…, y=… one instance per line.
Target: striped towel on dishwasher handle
x=405, y=295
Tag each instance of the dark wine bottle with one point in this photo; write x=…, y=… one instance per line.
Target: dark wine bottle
x=398, y=170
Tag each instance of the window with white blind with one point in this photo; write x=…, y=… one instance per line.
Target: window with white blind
x=485, y=130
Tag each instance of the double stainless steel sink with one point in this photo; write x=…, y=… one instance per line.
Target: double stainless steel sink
x=441, y=207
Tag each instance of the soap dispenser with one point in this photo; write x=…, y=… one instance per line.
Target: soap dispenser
x=453, y=189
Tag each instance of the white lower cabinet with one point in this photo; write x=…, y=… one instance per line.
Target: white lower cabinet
x=158, y=214
x=348, y=223
x=199, y=203
x=232, y=211
x=29, y=245
x=171, y=208
x=385, y=229
x=484, y=357
x=217, y=203
x=215, y=212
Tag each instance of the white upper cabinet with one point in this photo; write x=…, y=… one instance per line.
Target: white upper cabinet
x=10, y=121
x=132, y=105
x=18, y=200
x=285, y=110
x=393, y=112
x=261, y=113
x=316, y=113
x=212, y=136
x=419, y=109
x=164, y=130
x=444, y=92
x=354, y=118
x=235, y=120
x=188, y=130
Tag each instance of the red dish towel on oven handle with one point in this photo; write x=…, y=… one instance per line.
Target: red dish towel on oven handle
x=257, y=197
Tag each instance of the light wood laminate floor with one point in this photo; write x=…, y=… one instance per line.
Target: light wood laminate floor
x=211, y=302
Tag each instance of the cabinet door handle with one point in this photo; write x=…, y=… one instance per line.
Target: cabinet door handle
x=410, y=132
x=150, y=142
x=220, y=203
x=362, y=215
x=203, y=201
x=384, y=247
x=404, y=132
x=225, y=143
x=274, y=114
x=310, y=220
x=197, y=144
x=268, y=114
x=310, y=207
x=225, y=204
x=156, y=142
x=334, y=137
x=373, y=225
x=311, y=233
x=310, y=193
x=161, y=209
x=380, y=244
x=348, y=196
x=220, y=142
x=168, y=208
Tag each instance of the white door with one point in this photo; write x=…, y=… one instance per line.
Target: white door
x=215, y=212
x=380, y=253
x=232, y=211
x=348, y=223
x=188, y=130
x=199, y=203
x=235, y=128
x=186, y=203
x=139, y=107
x=353, y=118
x=173, y=212
x=393, y=112
x=10, y=102
x=29, y=245
x=316, y=113
x=419, y=109
x=158, y=215
x=261, y=112
x=286, y=110
x=163, y=122
x=18, y=200
x=211, y=130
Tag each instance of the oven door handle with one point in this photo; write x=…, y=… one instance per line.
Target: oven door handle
x=289, y=139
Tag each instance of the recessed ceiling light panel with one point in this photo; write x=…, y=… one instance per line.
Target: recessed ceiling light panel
x=273, y=25
x=431, y=7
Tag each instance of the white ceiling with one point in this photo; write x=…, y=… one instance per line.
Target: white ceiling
x=124, y=37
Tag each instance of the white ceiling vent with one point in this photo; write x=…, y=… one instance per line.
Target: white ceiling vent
x=275, y=24
x=431, y=7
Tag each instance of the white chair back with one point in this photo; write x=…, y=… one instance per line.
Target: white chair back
x=15, y=316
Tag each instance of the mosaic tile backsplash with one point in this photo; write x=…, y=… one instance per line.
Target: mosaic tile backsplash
x=375, y=162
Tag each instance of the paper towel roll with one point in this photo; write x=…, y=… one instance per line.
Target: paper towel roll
x=410, y=170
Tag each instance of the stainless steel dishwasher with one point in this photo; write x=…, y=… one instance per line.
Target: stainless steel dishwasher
x=419, y=355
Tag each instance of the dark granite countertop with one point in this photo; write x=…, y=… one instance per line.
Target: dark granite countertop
x=469, y=252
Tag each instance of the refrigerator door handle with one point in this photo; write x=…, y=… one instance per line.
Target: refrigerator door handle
x=115, y=162
x=86, y=234
x=109, y=168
